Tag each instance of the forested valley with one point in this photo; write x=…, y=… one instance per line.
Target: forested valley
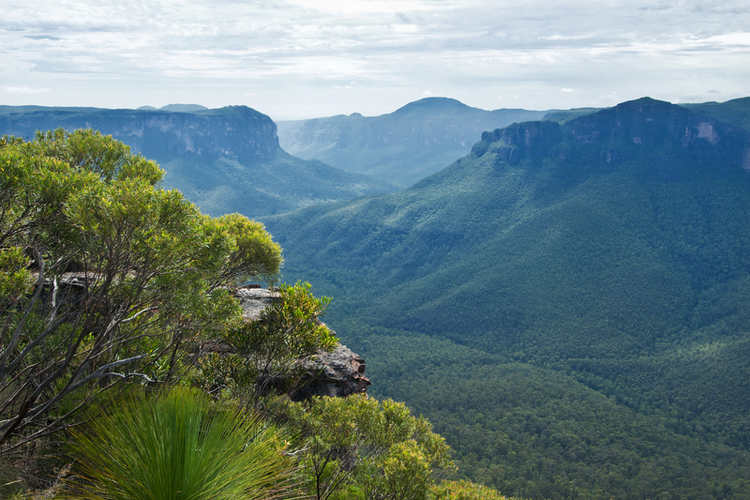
x=129, y=367
x=559, y=309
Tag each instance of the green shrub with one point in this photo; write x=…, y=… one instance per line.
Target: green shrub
x=465, y=490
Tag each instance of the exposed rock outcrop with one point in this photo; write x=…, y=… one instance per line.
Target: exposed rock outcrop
x=340, y=372
x=254, y=301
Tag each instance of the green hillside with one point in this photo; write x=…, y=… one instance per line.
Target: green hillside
x=736, y=111
x=564, y=303
x=225, y=160
x=402, y=147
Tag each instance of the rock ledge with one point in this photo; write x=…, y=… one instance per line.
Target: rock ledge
x=338, y=373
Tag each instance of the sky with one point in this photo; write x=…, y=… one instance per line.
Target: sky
x=304, y=58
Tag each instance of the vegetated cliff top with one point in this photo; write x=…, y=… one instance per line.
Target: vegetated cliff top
x=183, y=108
x=338, y=373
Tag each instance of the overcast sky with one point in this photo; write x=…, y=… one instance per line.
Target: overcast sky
x=304, y=58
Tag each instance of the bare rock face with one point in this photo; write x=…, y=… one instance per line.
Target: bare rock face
x=338, y=373
x=254, y=301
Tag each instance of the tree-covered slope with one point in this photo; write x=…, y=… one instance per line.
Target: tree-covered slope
x=594, y=271
x=735, y=111
x=225, y=160
x=402, y=147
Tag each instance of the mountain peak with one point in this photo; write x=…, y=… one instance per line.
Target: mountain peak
x=183, y=108
x=647, y=106
x=432, y=103
x=644, y=101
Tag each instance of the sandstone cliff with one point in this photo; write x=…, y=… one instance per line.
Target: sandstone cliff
x=225, y=160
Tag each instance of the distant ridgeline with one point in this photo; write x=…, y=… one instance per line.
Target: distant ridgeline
x=403, y=147
x=424, y=136
x=225, y=160
x=566, y=303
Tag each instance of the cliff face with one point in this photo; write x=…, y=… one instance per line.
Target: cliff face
x=518, y=141
x=338, y=373
x=645, y=129
x=224, y=160
x=236, y=131
x=655, y=134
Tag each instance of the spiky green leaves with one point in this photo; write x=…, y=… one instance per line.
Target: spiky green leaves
x=179, y=446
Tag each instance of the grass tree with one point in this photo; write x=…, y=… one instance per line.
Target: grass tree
x=179, y=446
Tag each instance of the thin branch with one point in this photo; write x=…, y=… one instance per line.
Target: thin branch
x=142, y=311
x=17, y=331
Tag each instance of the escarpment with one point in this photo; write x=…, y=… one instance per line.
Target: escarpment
x=224, y=160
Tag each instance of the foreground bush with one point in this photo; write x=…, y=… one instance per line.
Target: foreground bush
x=361, y=448
x=465, y=490
x=104, y=276
x=179, y=446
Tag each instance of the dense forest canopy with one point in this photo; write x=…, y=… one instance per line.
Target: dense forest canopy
x=556, y=295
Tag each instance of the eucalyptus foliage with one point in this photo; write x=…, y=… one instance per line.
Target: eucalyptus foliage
x=359, y=447
x=104, y=276
x=264, y=355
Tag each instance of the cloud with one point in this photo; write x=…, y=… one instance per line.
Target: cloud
x=24, y=90
x=294, y=53
x=42, y=37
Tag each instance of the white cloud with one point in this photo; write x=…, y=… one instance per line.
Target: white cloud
x=24, y=90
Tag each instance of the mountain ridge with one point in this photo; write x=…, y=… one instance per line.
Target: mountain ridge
x=226, y=159
x=403, y=146
x=609, y=250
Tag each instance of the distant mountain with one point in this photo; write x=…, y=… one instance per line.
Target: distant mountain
x=183, y=108
x=736, y=111
x=225, y=160
x=565, y=303
x=401, y=147
x=565, y=115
